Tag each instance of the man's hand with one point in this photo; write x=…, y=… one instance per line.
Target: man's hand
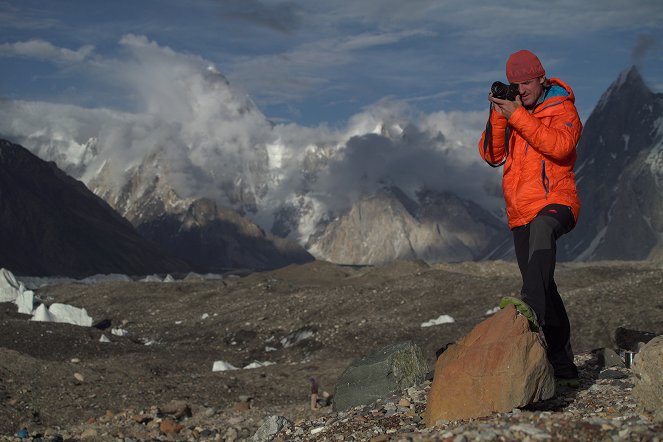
x=505, y=107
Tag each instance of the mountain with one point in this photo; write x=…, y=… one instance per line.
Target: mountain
x=52, y=225
x=619, y=171
x=388, y=226
x=212, y=151
x=214, y=238
x=210, y=236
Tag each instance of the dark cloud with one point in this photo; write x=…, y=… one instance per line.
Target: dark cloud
x=643, y=44
x=282, y=17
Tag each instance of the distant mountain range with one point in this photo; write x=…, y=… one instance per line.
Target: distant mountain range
x=198, y=204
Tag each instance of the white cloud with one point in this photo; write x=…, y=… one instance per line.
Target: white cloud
x=210, y=137
x=44, y=50
x=369, y=40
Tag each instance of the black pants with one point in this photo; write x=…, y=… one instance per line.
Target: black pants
x=535, y=245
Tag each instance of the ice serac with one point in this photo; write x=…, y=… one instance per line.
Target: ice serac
x=53, y=225
x=10, y=288
x=619, y=173
x=498, y=366
x=388, y=225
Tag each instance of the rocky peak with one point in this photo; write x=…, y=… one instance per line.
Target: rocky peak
x=629, y=85
x=53, y=225
x=618, y=203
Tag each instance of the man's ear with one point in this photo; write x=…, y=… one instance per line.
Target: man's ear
x=542, y=81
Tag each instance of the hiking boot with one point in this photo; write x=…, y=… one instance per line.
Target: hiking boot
x=523, y=309
x=567, y=382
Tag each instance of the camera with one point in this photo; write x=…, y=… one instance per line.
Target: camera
x=503, y=91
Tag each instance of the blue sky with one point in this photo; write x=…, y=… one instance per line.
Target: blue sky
x=321, y=62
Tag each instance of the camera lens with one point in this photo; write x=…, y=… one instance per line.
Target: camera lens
x=499, y=90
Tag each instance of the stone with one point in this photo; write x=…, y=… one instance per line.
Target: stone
x=612, y=374
x=628, y=339
x=89, y=434
x=170, y=426
x=498, y=366
x=272, y=425
x=177, y=409
x=379, y=374
x=648, y=371
x=607, y=358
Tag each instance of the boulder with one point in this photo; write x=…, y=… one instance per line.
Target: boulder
x=630, y=340
x=648, y=371
x=385, y=371
x=498, y=366
x=607, y=358
x=270, y=428
x=177, y=409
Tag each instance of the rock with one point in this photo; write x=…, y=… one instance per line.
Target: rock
x=271, y=426
x=177, y=409
x=627, y=339
x=648, y=371
x=89, y=434
x=244, y=403
x=170, y=426
x=607, y=358
x=612, y=374
x=498, y=366
x=383, y=372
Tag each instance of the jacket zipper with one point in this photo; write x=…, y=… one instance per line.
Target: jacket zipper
x=544, y=179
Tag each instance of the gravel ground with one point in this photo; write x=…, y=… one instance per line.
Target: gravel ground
x=59, y=382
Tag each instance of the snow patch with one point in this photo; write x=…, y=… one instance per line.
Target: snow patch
x=223, y=366
x=442, y=319
x=119, y=331
x=257, y=364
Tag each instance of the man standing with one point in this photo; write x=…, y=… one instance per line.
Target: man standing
x=534, y=136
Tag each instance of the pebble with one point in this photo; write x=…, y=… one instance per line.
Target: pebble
x=602, y=409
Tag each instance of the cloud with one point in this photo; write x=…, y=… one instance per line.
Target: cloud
x=644, y=43
x=209, y=139
x=392, y=144
x=44, y=50
x=369, y=40
x=282, y=16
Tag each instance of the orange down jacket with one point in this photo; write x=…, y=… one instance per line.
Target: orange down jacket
x=538, y=167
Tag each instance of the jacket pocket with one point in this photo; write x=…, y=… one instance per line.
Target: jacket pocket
x=545, y=181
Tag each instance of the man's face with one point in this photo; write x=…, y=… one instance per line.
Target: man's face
x=530, y=91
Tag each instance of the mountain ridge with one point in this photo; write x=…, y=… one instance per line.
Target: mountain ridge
x=54, y=226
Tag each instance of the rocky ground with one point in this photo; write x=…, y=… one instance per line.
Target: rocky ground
x=59, y=382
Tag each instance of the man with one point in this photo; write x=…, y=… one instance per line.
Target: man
x=535, y=137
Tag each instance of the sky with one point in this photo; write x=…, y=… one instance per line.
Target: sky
x=322, y=62
x=257, y=102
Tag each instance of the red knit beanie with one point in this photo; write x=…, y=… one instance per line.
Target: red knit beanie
x=522, y=66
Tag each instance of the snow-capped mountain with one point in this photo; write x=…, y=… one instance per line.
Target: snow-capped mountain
x=205, y=143
x=619, y=171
